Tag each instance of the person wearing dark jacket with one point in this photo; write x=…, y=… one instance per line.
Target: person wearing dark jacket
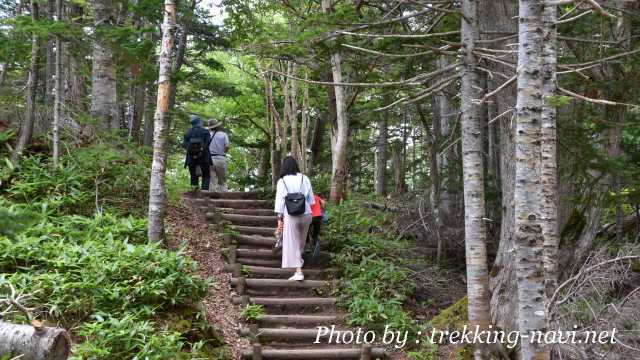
x=196, y=143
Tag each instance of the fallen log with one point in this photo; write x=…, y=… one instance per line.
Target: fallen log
x=33, y=342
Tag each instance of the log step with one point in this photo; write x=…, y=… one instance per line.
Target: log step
x=318, y=354
x=249, y=219
x=241, y=203
x=258, y=253
x=255, y=230
x=287, y=333
x=255, y=240
x=233, y=195
x=280, y=283
x=309, y=320
x=259, y=212
x=263, y=270
x=260, y=262
x=272, y=301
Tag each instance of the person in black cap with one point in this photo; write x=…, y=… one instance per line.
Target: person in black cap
x=196, y=143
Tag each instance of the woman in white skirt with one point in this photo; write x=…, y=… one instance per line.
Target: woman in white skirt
x=294, y=228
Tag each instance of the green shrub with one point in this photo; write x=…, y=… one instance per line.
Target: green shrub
x=374, y=283
x=128, y=337
x=253, y=312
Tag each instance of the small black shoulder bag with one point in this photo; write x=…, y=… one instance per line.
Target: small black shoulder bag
x=295, y=202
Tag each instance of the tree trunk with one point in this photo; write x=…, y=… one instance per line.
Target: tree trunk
x=50, y=64
x=475, y=236
x=304, y=131
x=104, y=101
x=149, y=111
x=381, y=156
x=318, y=129
x=339, y=128
x=549, y=170
x=448, y=114
x=29, y=343
x=26, y=130
x=292, y=101
x=499, y=17
x=529, y=239
x=279, y=136
x=157, y=190
x=137, y=109
x=398, y=170
x=57, y=105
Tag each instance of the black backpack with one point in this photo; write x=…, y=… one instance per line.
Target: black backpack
x=295, y=202
x=195, y=147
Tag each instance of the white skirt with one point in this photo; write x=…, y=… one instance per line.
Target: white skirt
x=294, y=238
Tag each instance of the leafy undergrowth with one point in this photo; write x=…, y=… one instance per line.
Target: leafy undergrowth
x=375, y=281
x=73, y=239
x=378, y=278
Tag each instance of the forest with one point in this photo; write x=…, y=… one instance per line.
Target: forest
x=480, y=160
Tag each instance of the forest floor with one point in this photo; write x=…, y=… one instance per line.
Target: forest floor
x=203, y=246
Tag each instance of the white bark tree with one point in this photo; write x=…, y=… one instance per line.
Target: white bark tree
x=339, y=129
x=157, y=188
x=57, y=105
x=104, y=103
x=473, y=177
x=530, y=272
x=549, y=170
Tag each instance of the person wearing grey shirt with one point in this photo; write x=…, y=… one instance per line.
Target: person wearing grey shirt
x=218, y=148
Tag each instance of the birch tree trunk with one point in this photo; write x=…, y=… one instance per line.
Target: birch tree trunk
x=496, y=19
x=339, y=129
x=549, y=170
x=157, y=190
x=26, y=130
x=104, y=100
x=381, y=156
x=475, y=236
x=304, y=131
x=26, y=342
x=529, y=239
x=292, y=101
x=57, y=105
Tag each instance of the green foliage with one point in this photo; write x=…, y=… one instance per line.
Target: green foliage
x=374, y=283
x=253, y=312
x=90, y=268
x=129, y=337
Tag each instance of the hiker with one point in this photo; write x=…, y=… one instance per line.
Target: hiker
x=196, y=142
x=294, y=198
x=218, y=149
x=317, y=217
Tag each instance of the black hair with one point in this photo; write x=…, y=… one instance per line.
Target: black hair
x=289, y=167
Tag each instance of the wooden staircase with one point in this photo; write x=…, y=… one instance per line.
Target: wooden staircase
x=294, y=308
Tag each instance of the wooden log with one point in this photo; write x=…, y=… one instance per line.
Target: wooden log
x=255, y=240
x=257, y=352
x=314, y=301
x=263, y=270
x=292, y=320
x=214, y=217
x=241, y=286
x=233, y=254
x=366, y=352
x=259, y=212
x=281, y=283
x=255, y=230
x=259, y=262
x=237, y=270
x=285, y=333
x=247, y=195
x=257, y=253
x=227, y=239
x=249, y=219
x=323, y=353
x=27, y=342
x=241, y=204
